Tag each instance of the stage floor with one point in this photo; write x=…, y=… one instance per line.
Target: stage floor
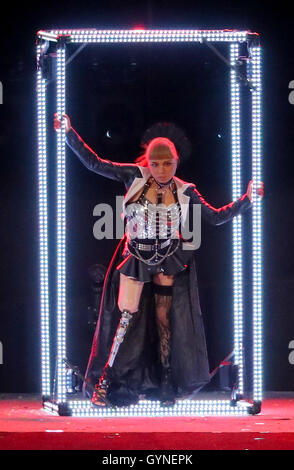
x=24, y=424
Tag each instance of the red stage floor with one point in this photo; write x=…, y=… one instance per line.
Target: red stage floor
x=25, y=425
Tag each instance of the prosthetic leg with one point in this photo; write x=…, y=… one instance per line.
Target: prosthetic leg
x=163, y=301
x=99, y=397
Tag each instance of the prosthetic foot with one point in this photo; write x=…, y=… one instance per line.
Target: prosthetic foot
x=99, y=397
x=163, y=300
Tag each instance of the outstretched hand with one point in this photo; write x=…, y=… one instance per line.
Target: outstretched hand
x=57, y=122
x=259, y=191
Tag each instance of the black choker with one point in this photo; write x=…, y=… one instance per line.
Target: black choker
x=162, y=185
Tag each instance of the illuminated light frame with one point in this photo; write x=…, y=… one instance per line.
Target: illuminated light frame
x=43, y=229
x=238, y=407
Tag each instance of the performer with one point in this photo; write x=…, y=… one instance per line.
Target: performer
x=149, y=340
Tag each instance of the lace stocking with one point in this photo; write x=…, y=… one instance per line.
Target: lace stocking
x=163, y=303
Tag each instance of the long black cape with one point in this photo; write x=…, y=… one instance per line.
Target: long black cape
x=136, y=369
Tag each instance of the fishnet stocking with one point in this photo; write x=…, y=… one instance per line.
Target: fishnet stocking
x=163, y=304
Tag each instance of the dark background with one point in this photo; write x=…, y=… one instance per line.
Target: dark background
x=123, y=90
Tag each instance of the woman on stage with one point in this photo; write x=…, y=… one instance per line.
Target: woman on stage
x=149, y=340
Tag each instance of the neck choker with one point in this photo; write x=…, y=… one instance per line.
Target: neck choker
x=163, y=185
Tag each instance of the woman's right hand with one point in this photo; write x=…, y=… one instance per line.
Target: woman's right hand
x=57, y=122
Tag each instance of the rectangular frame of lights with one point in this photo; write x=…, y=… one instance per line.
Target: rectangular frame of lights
x=145, y=408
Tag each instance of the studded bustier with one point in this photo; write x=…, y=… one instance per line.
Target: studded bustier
x=145, y=219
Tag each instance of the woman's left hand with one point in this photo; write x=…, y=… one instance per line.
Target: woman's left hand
x=259, y=191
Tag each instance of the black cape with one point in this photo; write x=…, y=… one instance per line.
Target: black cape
x=136, y=369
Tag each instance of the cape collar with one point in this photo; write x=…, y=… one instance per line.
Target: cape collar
x=138, y=183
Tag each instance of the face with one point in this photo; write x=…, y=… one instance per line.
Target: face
x=162, y=164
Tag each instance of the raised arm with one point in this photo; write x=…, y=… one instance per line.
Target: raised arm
x=223, y=214
x=124, y=172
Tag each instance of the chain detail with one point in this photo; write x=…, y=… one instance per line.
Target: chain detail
x=156, y=255
x=157, y=258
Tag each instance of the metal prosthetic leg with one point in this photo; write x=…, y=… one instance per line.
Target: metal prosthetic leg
x=99, y=396
x=163, y=301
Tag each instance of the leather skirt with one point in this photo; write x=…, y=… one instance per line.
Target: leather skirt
x=143, y=271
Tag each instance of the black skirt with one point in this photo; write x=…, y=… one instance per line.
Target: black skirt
x=142, y=271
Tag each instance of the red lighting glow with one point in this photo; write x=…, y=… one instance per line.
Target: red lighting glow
x=139, y=27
